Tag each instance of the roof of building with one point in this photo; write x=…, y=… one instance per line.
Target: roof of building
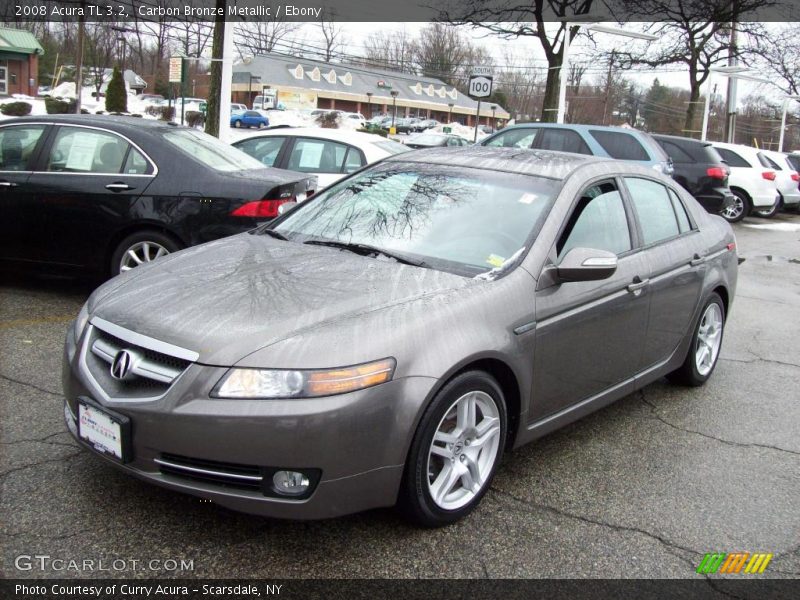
x=279, y=70
x=19, y=40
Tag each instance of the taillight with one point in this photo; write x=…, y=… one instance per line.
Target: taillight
x=731, y=246
x=717, y=172
x=795, y=176
x=768, y=175
x=260, y=208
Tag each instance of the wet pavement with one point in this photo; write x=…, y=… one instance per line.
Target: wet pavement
x=643, y=488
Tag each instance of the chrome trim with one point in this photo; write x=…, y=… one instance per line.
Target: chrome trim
x=141, y=367
x=138, y=339
x=172, y=465
x=525, y=328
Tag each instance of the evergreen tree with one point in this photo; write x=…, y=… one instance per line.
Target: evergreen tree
x=116, y=96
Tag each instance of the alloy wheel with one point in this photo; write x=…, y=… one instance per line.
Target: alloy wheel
x=709, y=339
x=734, y=210
x=464, y=450
x=141, y=253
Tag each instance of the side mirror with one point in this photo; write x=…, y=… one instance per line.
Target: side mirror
x=286, y=207
x=586, y=264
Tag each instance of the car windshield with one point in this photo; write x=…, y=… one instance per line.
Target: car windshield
x=461, y=220
x=210, y=151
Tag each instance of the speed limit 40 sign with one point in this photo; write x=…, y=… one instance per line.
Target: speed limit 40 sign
x=480, y=86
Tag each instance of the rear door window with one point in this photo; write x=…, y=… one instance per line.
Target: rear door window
x=622, y=146
x=79, y=150
x=317, y=156
x=264, y=149
x=733, y=159
x=676, y=153
x=562, y=140
x=654, y=209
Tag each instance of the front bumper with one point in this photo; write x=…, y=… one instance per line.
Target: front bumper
x=358, y=441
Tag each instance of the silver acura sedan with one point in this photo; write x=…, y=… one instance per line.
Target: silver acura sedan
x=384, y=342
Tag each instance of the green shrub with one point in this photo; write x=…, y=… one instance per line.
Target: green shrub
x=57, y=106
x=116, y=96
x=16, y=109
x=375, y=130
x=153, y=111
x=195, y=118
x=328, y=120
x=166, y=113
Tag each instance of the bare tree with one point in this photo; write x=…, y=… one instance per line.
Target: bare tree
x=780, y=52
x=259, y=37
x=442, y=51
x=332, y=34
x=393, y=51
x=100, y=50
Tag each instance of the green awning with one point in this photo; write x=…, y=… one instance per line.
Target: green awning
x=19, y=41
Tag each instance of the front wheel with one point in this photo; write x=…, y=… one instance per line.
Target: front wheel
x=455, y=451
x=237, y=124
x=706, y=343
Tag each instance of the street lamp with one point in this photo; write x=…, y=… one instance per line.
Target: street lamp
x=564, y=69
x=369, y=101
x=734, y=71
x=783, y=119
x=450, y=117
x=494, y=108
x=394, y=105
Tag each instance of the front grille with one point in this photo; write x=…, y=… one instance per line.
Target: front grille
x=232, y=475
x=151, y=372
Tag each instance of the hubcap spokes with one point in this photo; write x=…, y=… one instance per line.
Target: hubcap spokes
x=709, y=339
x=140, y=253
x=735, y=209
x=464, y=450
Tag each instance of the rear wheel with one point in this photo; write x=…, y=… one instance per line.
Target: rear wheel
x=768, y=213
x=738, y=209
x=456, y=450
x=237, y=124
x=706, y=344
x=140, y=248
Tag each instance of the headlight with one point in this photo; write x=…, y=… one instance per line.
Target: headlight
x=311, y=383
x=80, y=322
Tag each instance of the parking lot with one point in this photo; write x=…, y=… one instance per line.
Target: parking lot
x=643, y=488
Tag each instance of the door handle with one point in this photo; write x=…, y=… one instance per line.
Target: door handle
x=638, y=285
x=118, y=187
x=7, y=184
x=697, y=260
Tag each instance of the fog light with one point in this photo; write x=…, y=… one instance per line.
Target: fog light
x=290, y=483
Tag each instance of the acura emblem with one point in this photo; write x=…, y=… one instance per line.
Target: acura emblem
x=122, y=365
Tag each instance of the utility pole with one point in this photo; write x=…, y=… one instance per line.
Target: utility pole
x=79, y=63
x=608, y=84
x=730, y=122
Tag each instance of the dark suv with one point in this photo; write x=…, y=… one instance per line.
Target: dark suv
x=700, y=169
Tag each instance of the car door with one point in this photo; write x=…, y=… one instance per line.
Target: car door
x=676, y=256
x=83, y=187
x=590, y=335
x=19, y=148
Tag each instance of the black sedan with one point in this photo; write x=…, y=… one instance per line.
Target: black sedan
x=104, y=194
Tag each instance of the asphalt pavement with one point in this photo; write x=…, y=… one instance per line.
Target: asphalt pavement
x=643, y=488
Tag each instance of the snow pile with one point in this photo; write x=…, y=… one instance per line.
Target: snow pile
x=468, y=133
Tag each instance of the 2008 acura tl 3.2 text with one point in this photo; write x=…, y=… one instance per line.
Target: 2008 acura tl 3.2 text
x=385, y=341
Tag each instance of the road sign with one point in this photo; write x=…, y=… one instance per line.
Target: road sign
x=485, y=71
x=175, y=69
x=480, y=86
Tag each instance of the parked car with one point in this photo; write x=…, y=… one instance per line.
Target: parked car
x=700, y=169
x=752, y=181
x=151, y=98
x=426, y=124
x=431, y=140
x=794, y=159
x=249, y=118
x=329, y=154
x=375, y=344
x=356, y=117
x=238, y=108
x=404, y=125
x=787, y=178
x=611, y=142
x=104, y=194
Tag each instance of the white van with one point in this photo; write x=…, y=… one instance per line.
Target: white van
x=264, y=102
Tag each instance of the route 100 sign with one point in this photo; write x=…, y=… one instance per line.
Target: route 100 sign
x=480, y=86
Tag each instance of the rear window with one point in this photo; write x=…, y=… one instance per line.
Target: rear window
x=768, y=162
x=733, y=159
x=794, y=161
x=676, y=153
x=209, y=151
x=620, y=145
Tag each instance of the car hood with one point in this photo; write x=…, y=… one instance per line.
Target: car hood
x=229, y=298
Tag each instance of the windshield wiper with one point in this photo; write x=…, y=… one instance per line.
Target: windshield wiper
x=366, y=249
x=276, y=234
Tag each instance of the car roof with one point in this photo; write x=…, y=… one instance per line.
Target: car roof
x=118, y=123
x=541, y=163
x=336, y=135
x=680, y=139
x=735, y=147
x=574, y=126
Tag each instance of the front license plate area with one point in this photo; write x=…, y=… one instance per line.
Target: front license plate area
x=106, y=431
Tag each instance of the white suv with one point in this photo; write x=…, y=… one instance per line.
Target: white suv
x=787, y=178
x=752, y=181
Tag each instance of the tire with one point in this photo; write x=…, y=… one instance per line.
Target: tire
x=147, y=245
x=454, y=464
x=768, y=213
x=694, y=372
x=740, y=208
x=237, y=124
